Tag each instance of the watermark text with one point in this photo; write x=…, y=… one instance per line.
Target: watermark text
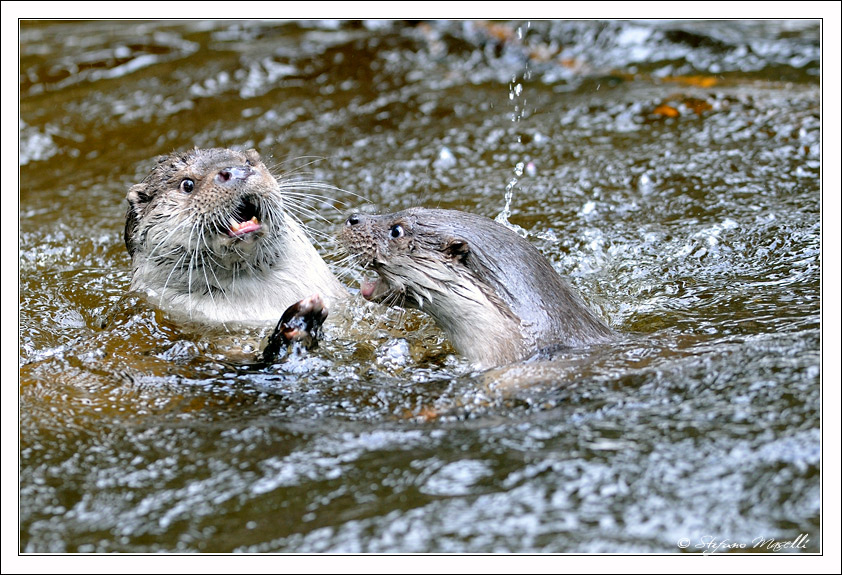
x=712, y=544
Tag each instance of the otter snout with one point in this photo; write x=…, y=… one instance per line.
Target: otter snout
x=358, y=237
x=353, y=220
x=235, y=173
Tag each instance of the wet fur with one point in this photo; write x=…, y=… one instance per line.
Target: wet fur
x=497, y=298
x=186, y=263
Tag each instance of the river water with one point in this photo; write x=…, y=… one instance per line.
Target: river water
x=669, y=169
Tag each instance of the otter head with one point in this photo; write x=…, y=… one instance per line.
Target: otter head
x=497, y=298
x=209, y=238
x=425, y=260
x=202, y=203
x=413, y=258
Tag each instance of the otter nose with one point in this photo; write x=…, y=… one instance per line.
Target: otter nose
x=353, y=220
x=234, y=173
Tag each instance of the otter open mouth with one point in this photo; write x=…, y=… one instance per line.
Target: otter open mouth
x=245, y=220
x=376, y=289
x=368, y=287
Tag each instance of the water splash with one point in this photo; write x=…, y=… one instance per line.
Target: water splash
x=518, y=113
x=503, y=216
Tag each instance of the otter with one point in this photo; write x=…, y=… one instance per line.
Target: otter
x=492, y=292
x=211, y=241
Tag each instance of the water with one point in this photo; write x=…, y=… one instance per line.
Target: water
x=669, y=169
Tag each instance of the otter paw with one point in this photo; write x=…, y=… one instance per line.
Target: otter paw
x=301, y=323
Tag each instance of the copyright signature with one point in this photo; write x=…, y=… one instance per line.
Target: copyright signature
x=712, y=544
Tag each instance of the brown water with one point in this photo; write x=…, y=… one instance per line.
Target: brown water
x=669, y=169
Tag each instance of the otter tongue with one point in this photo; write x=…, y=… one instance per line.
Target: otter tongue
x=241, y=228
x=368, y=287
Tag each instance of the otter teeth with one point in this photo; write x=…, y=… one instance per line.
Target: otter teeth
x=241, y=228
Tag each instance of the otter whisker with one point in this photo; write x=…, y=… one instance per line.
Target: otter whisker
x=283, y=179
x=394, y=302
x=175, y=229
x=311, y=161
x=301, y=192
x=346, y=267
x=401, y=307
x=342, y=258
x=176, y=265
x=288, y=186
x=207, y=282
x=303, y=209
x=205, y=268
x=195, y=257
x=312, y=233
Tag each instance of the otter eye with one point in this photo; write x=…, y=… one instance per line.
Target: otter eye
x=187, y=185
x=396, y=231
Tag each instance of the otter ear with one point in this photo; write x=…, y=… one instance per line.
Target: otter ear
x=252, y=155
x=136, y=198
x=458, y=249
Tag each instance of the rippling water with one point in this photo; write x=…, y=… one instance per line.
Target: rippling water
x=669, y=169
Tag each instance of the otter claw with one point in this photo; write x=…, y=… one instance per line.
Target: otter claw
x=301, y=323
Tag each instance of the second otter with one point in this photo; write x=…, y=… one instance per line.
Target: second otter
x=493, y=293
x=211, y=240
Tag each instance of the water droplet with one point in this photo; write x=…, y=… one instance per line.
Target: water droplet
x=445, y=159
x=645, y=185
x=531, y=170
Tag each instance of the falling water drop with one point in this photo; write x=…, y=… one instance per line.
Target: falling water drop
x=503, y=216
x=518, y=108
